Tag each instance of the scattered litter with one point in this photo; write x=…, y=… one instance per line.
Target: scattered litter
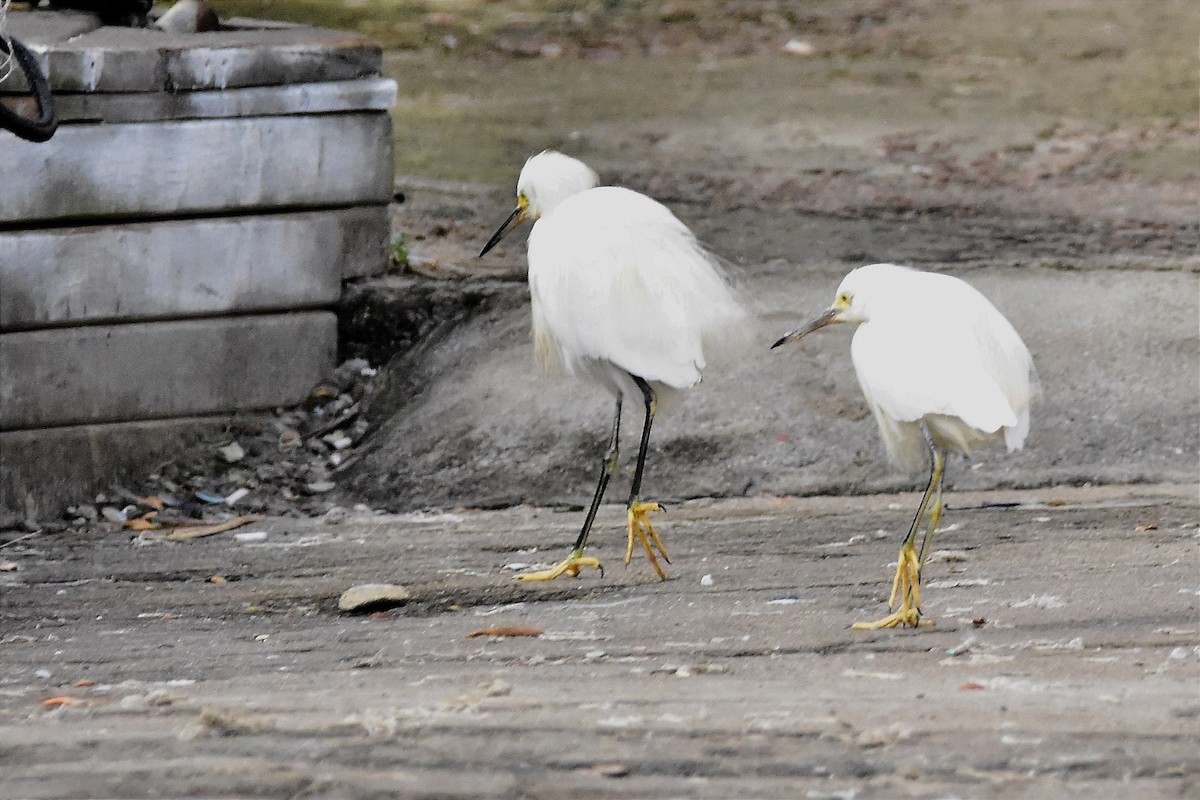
x=496, y=688
x=83, y=682
x=1149, y=526
x=505, y=630
x=60, y=701
x=319, y=487
x=8, y=566
x=971, y=686
x=236, y=495
x=979, y=622
x=962, y=647
x=209, y=497
x=707, y=580
x=185, y=533
x=367, y=597
x=883, y=676
x=888, y=735
x=953, y=583
x=216, y=579
x=783, y=600
x=370, y=662
x=799, y=47
x=246, y=537
x=1044, y=601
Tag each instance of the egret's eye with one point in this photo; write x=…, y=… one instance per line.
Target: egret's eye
x=523, y=200
x=843, y=300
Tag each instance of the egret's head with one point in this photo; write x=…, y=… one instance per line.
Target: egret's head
x=852, y=303
x=546, y=180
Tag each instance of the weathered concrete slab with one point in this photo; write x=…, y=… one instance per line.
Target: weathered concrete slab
x=182, y=268
x=369, y=94
x=44, y=470
x=736, y=678
x=198, y=166
x=114, y=373
x=117, y=59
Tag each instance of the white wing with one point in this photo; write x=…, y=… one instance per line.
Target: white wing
x=616, y=277
x=957, y=356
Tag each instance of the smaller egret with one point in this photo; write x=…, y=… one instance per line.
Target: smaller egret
x=942, y=370
x=621, y=293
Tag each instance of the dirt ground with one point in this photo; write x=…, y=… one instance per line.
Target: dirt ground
x=1065, y=659
x=1046, y=151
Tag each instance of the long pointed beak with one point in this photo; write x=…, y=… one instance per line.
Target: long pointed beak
x=828, y=317
x=514, y=219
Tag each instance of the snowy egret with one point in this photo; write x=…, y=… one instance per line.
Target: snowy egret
x=941, y=369
x=622, y=294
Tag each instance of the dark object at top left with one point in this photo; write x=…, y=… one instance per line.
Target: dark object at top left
x=130, y=13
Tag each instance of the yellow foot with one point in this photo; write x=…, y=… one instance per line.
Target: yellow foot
x=568, y=566
x=907, y=586
x=641, y=528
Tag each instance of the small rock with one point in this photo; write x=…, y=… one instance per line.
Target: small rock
x=83, y=511
x=236, y=495
x=368, y=597
x=319, y=487
x=336, y=515
x=707, y=580
x=232, y=452
x=189, y=16
x=113, y=515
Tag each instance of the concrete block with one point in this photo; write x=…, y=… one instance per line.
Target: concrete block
x=117, y=59
x=198, y=166
x=370, y=94
x=154, y=370
x=183, y=268
x=44, y=470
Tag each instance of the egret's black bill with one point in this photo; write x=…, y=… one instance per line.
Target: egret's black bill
x=804, y=330
x=513, y=220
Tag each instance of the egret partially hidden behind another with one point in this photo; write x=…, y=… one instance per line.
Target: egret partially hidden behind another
x=623, y=294
x=941, y=369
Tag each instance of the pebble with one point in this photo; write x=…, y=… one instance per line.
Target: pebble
x=232, y=452
x=372, y=597
x=319, y=487
x=113, y=515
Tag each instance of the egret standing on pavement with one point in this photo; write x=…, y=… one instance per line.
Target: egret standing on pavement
x=623, y=294
x=942, y=370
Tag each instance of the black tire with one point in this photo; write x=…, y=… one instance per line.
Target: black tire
x=34, y=130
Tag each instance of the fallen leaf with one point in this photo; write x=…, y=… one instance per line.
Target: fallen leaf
x=81, y=683
x=154, y=502
x=970, y=686
x=505, y=630
x=1149, y=526
x=143, y=523
x=216, y=579
x=980, y=622
x=379, y=615
x=61, y=700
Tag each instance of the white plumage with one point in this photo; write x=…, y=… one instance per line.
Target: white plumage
x=621, y=293
x=931, y=349
x=618, y=281
x=941, y=370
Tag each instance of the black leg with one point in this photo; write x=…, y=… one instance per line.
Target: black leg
x=651, y=406
x=607, y=467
